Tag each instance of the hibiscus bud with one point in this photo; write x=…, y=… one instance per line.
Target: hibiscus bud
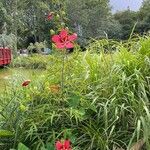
x=23, y=108
x=75, y=34
x=67, y=28
x=63, y=13
x=50, y=16
x=35, y=88
x=62, y=24
x=52, y=31
x=57, y=16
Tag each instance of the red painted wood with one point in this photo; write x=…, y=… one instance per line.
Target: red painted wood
x=5, y=56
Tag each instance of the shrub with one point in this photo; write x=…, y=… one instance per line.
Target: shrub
x=37, y=47
x=104, y=104
x=32, y=62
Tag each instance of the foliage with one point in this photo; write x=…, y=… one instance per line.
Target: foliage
x=127, y=19
x=27, y=20
x=37, y=47
x=89, y=19
x=92, y=19
x=22, y=147
x=32, y=62
x=98, y=99
x=105, y=103
x=144, y=17
x=7, y=40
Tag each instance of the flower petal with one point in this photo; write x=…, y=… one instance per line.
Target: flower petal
x=64, y=33
x=60, y=45
x=25, y=83
x=50, y=16
x=66, y=144
x=56, y=39
x=72, y=37
x=69, y=45
x=58, y=145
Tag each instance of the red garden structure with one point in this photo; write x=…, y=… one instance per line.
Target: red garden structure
x=5, y=56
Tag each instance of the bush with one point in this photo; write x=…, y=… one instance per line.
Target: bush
x=37, y=47
x=104, y=104
x=32, y=62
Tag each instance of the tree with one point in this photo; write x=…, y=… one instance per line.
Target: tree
x=127, y=20
x=144, y=17
x=90, y=18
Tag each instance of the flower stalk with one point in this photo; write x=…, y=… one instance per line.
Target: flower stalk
x=62, y=74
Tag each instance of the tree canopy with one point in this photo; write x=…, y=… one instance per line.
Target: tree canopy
x=27, y=20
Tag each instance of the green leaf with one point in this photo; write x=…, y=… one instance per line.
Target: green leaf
x=88, y=105
x=74, y=100
x=22, y=147
x=43, y=148
x=5, y=133
x=78, y=113
x=50, y=146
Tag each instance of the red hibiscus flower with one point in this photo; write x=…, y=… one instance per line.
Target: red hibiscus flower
x=26, y=83
x=64, y=40
x=63, y=146
x=50, y=16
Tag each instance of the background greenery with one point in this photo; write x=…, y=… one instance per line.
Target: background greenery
x=27, y=21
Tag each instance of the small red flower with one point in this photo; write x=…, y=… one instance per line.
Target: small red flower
x=26, y=83
x=50, y=16
x=63, y=146
x=64, y=40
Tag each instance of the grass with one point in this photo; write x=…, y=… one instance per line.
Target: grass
x=105, y=103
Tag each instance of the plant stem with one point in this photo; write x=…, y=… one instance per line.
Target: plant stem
x=17, y=129
x=62, y=75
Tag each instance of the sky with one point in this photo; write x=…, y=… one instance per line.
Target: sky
x=118, y=5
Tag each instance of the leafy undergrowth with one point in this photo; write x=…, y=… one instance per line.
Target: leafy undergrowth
x=32, y=62
x=104, y=104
